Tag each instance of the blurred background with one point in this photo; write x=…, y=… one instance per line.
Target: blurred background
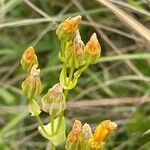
x=117, y=87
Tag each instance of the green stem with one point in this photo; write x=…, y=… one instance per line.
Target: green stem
x=63, y=44
x=70, y=75
x=59, y=121
x=41, y=125
x=52, y=130
x=53, y=146
x=66, y=93
x=65, y=73
x=52, y=123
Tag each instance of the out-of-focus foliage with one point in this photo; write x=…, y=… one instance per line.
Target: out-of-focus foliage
x=33, y=23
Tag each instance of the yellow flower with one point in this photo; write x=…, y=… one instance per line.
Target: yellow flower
x=70, y=25
x=93, y=46
x=67, y=28
x=101, y=132
x=75, y=132
x=29, y=59
x=92, y=50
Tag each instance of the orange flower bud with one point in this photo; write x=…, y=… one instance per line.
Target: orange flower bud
x=54, y=101
x=29, y=59
x=75, y=132
x=67, y=28
x=70, y=25
x=74, y=52
x=92, y=49
x=101, y=132
x=32, y=84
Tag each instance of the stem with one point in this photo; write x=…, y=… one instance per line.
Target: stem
x=59, y=122
x=52, y=124
x=41, y=125
x=65, y=73
x=70, y=75
x=52, y=130
x=66, y=93
x=63, y=44
x=53, y=146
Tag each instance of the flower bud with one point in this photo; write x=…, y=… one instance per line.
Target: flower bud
x=101, y=132
x=74, y=52
x=34, y=108
x=86, y=134
x=54, y=101
x=29, y=59
x=86, y=131
x=67, y=28
x=32, y=84
x=75, y=132
x=92, y=50
x=73, y=139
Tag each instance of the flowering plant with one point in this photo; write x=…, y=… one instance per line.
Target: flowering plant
x=75, y=57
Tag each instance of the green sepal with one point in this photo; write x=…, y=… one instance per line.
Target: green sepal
x=63, y=77
x=61, y=58
x=60, y=136
x=71, y=145
x=84, y=145
x=34, y=108
x=64, y=80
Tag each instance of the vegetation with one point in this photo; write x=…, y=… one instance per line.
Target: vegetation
x=117, y=87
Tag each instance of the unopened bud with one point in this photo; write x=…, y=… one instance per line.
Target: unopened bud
x=73, y=139
x=86, y=131
x=74, y=52
x=34, y=108
x=29, y=59
x=32, y=84
x=75, y=132
x=67, y=28
x=92, y=50
x=54, y=101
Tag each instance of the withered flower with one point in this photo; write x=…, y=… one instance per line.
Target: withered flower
x=32, y=84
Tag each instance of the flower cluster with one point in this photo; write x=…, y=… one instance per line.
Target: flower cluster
x=75, y=57
x=81, y=137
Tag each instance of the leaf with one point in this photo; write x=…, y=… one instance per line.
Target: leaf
x=61, y=134
x=6, y=96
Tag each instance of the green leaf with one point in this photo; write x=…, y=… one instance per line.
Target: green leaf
x=61, y=134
